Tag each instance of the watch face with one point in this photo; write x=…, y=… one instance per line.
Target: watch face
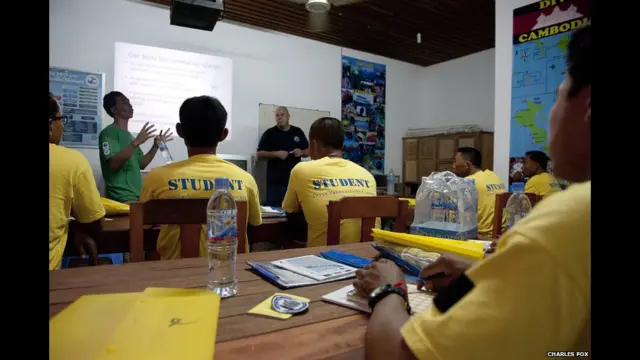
x=378, y=290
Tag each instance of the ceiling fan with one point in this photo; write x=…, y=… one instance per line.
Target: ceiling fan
x=319, y=11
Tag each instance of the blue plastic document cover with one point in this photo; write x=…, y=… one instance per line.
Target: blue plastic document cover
x=346, y=258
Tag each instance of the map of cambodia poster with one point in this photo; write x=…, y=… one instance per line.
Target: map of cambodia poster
x=541, y=32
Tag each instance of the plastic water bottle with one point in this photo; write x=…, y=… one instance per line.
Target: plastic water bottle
x=164, y=150
x=518, y=205
x=391, y=183
x=222, y=240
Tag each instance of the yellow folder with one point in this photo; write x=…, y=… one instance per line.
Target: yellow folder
x=159, y=324
x=470, y=250
x=412, y=202
x=112, y=207
x=81, y=329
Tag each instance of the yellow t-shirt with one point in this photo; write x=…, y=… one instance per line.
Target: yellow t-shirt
x=194, y=178
x=71, y=187
x=531, y=297
x=488, y=185
x=313, y=184
x=543, y=184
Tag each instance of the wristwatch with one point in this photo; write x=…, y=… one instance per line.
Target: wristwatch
x=381, y=292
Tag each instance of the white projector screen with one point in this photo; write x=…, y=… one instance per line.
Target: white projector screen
x=158, y=80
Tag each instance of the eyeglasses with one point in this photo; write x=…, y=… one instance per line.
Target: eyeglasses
x=63, y=118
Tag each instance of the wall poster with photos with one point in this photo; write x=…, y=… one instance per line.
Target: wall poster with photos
x=363, y=113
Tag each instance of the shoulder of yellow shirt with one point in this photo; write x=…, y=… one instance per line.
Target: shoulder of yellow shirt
x=486, y=176
x=306, y=167
x=69, y=155
x=491, y=173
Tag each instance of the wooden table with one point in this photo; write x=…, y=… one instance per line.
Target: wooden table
x=115, y=237
x=325, y=331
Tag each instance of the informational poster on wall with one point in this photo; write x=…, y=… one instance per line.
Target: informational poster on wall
x=541, y=33
x=79, y=93
x=363, y=112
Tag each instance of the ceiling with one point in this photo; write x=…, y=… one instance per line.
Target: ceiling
x=449, y=28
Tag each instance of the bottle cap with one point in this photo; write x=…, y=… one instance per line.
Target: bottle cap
x=221, y=183
x=288, y=305
x=517, y=187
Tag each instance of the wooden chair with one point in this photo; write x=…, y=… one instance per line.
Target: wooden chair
x=501, y=203
x=367, y=208
x=190, y=214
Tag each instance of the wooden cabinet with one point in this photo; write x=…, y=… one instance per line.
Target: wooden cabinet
x=411, y=149
x=426, y=154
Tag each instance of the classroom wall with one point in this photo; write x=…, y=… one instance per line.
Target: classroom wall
x=503, y=70
x=268, y=67
x=457, y=92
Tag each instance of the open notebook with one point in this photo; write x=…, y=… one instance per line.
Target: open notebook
x=347, y=297
x=317, y=268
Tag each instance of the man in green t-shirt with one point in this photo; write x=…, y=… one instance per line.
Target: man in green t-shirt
x=120, y=156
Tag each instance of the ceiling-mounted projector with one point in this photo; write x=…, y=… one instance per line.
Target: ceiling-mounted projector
x=196, y=14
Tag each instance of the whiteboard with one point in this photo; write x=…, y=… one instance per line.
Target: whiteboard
x=302, y=118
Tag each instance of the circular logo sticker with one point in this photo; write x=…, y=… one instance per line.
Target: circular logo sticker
x=288, y=305
x=91, y=80
x=296, y=139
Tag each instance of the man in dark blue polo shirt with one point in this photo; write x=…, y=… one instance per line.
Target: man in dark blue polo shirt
x=282, y=145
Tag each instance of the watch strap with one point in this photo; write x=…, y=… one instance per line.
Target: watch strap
x=389, y=289
x=402, y=286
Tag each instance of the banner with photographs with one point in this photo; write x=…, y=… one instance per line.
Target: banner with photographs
x=363, y=113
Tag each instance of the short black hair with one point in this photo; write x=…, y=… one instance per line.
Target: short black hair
x=203, y=119
x=54, y=107
x=579, y=59
x=109, y=101
x=471, y=154
x=538, y=156
x=329, y=131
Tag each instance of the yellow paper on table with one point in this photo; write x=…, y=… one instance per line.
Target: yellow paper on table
x=81, y=330
x=264, y=308
x=113, y=207
x=167, y=324
x=469, y=250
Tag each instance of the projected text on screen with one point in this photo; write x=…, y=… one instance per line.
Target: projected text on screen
x=158, y=80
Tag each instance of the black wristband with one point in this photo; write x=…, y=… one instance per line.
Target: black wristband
x=384, y=292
